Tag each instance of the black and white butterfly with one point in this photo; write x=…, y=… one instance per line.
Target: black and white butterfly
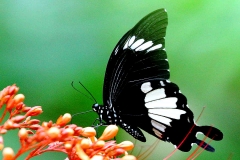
x=137, y=93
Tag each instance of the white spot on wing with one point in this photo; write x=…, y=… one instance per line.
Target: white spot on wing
x=137, y=43
x=158, y=126
x=154, y=47
x=160, y=119
x=144, y=46
x=155, y=94
x=131, y=40
x=146, y=87
x=163, y=103
x=171, y=113
x=162, y=84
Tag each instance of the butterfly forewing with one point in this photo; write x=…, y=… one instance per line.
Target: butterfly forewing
x=139, y=55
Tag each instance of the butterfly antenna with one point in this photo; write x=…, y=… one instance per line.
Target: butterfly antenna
x=82, y=113
x=88, y=92
x=91, y=98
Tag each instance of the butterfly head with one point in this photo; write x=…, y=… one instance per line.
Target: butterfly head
x=96, y=107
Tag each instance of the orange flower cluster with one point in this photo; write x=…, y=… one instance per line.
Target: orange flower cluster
x=77, y=142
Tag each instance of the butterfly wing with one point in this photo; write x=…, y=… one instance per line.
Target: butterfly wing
x=137, y=93
x=138, y=56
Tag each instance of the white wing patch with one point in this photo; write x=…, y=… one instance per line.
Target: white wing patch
x=155, y=94
x=131, y=40
x=160, y=119
x=139, y=45
x=144, y=46
x=154, y=47
x=158, y=126
x=171, y=113
x=163, y=103
x=146, y=87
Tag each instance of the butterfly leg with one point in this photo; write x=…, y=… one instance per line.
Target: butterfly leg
x=97, y=125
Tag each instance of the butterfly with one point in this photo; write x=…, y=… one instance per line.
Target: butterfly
x=137, y=92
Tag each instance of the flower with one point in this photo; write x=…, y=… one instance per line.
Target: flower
x=36, y=137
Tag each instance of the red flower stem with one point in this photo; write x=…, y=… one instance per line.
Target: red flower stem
x=37, y=146
x=3, y=115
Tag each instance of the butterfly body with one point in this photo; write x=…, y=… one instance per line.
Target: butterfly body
x=137, y=93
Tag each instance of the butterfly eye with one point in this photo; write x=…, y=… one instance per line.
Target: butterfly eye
x=95, y=107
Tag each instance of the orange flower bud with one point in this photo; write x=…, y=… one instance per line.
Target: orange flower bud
x=8, y=153
x=99, y=144
x=41, y=136
x=30, y=132
x=35, y=126
x=126, y=145
x=23, y=134
x=49, y=124
x=116, y=152
x=34, y=111
x=19, y=98
x=4, y=99
x=45, y=124
x=53, y=133
x=8, y=124
x=85, y=143
x=33, y=121
x=10, y=104
x=128, y=157
x=109, y=132
x=63, y=120
x=81, y=154
x=20, y=106
x=78, y=130
x=16, y=125
x=18, y=119
x=68, y=146
x=97, y=157
x=88, y=132
x=26, y=109
x=67, y=132
x=3, y=131
x=12, y=89
x=66, y=118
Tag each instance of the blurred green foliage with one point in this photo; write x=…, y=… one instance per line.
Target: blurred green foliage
x=45, y=45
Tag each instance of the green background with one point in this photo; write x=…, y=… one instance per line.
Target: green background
x=45, y=45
